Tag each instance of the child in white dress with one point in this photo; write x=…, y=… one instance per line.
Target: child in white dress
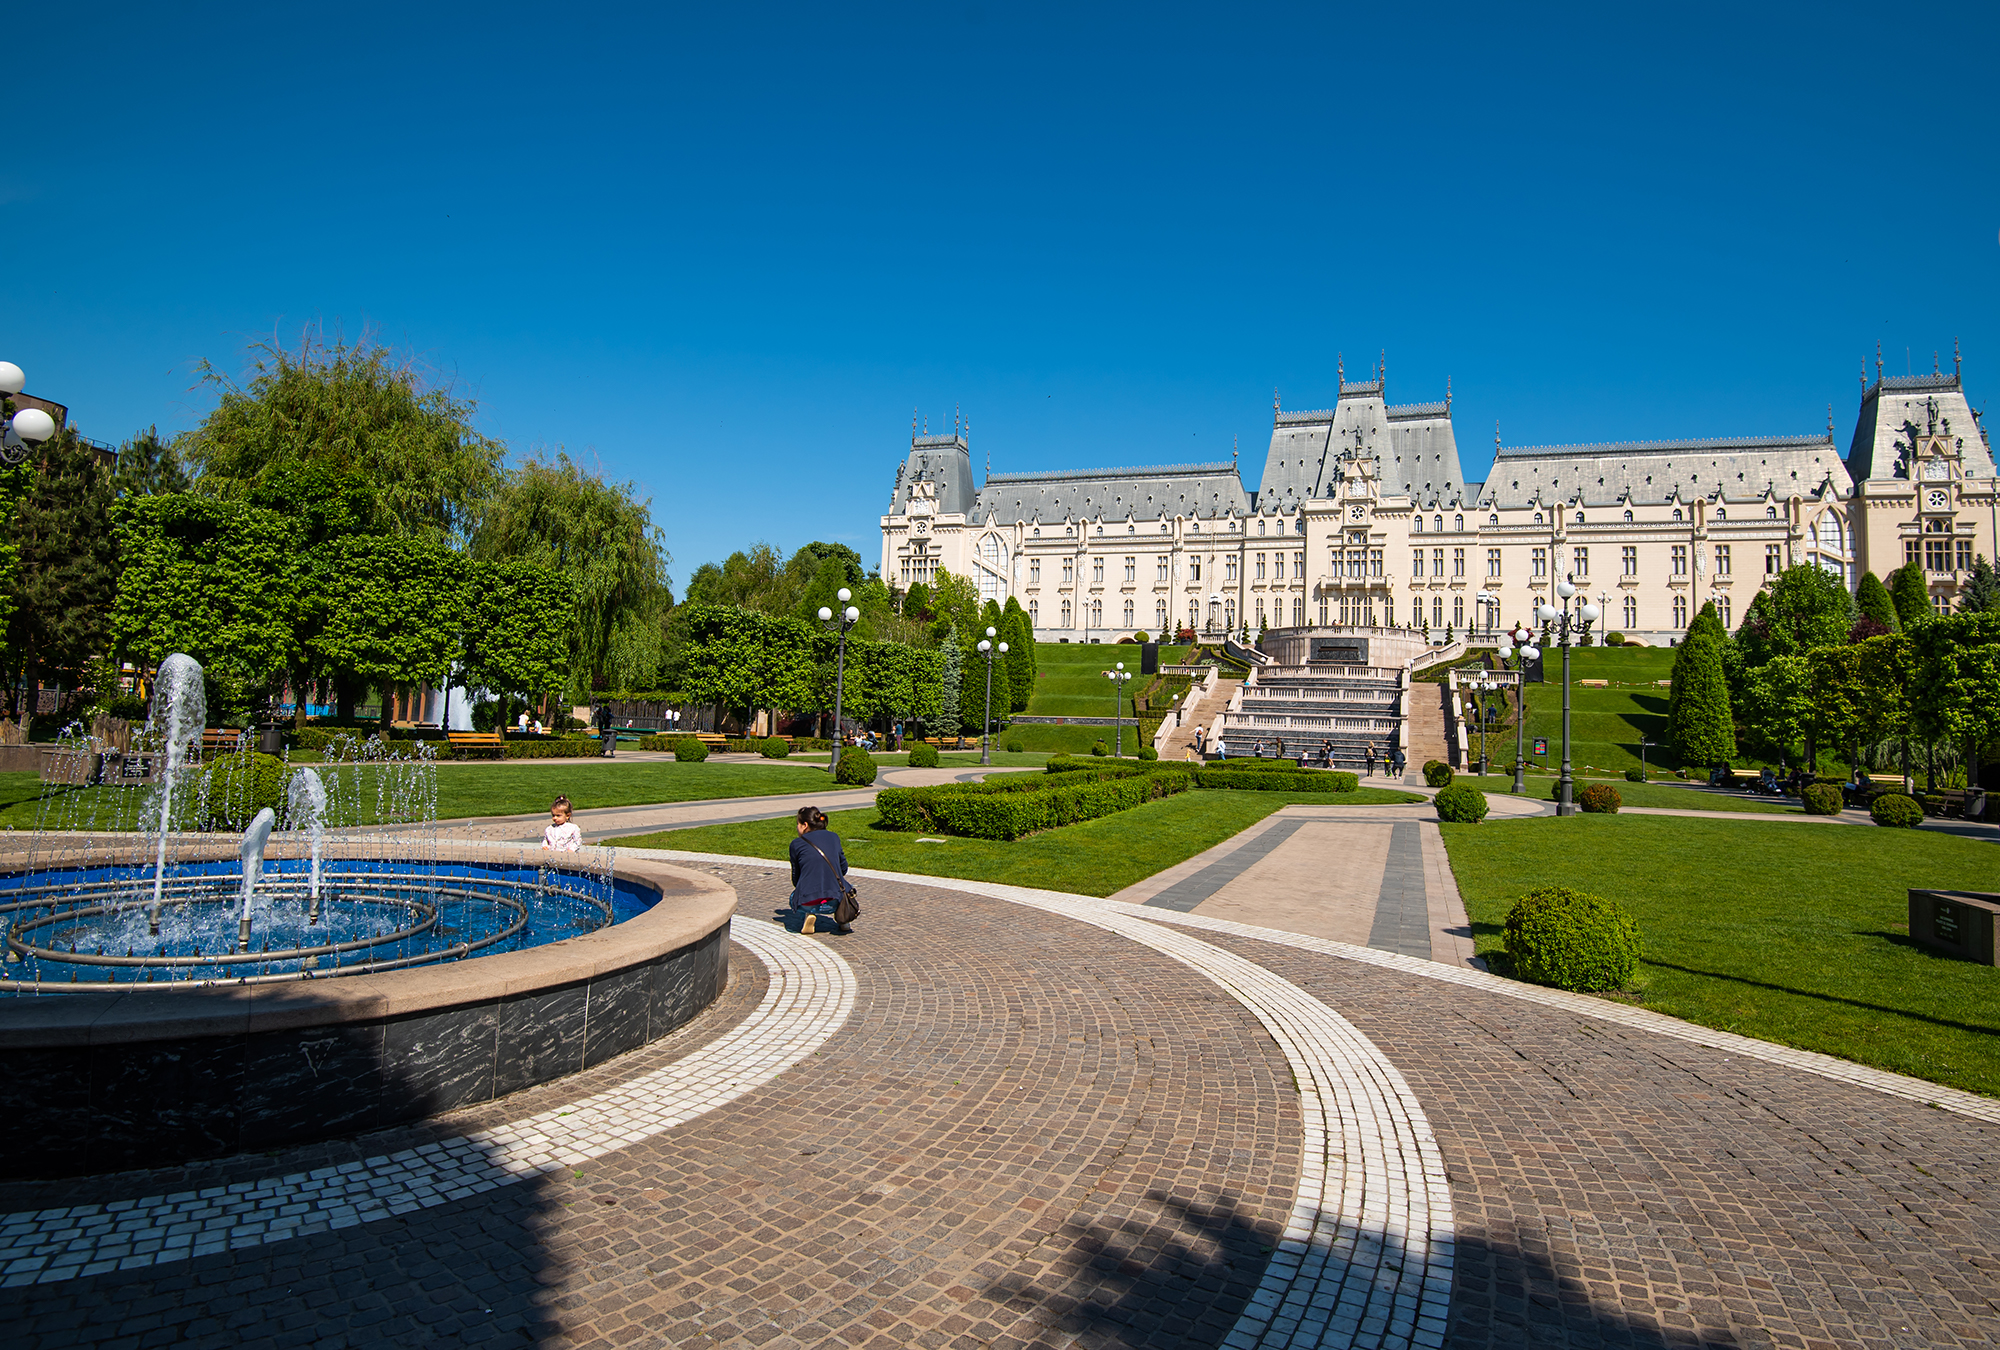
x=563, y=834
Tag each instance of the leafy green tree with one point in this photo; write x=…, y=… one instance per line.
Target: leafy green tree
x=822, y=591
x=1699, y=721
x=954, y=604
x=360, y=412
x=1805, y=607
x=66, y=564
x=742, y=659
x=515, y=638
x=1981, y=594
x=600, y=539
x=217, y=580
x=1912, y=597
x=1778, y=706
x=1955, y=680
x=1873, y=601
x=754, y=578
x=806, y=563
x=390, y=610
x=917, y=601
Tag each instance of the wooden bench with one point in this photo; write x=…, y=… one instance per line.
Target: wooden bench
x=467, y=744
x=223, y=740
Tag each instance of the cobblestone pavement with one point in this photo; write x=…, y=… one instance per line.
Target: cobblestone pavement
x=1056, y=1122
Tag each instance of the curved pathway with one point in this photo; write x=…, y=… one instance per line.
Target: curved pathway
x=1047, y=1120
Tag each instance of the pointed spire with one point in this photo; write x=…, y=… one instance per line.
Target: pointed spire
x=1447, y=396
x=1496, y=438
x=1232, y=455
x=1382, y=372
x=1829, y=421
x=1340, y=365
x=954, y=419
x=927, y=425
x=1934, y=362
x=1864, y=377
x=1878, y=359
x=1274, y=405
x=1956, y=367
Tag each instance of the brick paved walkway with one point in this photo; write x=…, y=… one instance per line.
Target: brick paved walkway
x=1051, y=1121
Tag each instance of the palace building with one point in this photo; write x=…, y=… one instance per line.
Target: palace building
x=1363, y=518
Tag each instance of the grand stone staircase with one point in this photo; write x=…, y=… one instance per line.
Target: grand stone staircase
x=1306, y=707
x=1203, y=714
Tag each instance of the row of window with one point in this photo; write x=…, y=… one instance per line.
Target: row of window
x=1938, y=552
x=1629, y=609
x=1579, y=561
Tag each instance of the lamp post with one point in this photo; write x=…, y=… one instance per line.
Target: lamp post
x=1118, y=678
x=1566, y=627
x=1489, y=607
x=19, y=430
x=988, y=649
x=1643, y=745
x=1520, y=639
x=848, y=617
x=1481, y=687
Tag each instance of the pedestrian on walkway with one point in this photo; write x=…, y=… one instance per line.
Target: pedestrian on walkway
x=1396, y=762
x=1221, y=747
x=1326, y=754
x=563, y=835
x=1371, y=759
x=818, y=864
x=608, y=740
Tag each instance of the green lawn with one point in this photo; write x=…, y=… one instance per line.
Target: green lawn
x=1097, y=857
x=1789, y=933
x=1642, y=794
x=523, y=789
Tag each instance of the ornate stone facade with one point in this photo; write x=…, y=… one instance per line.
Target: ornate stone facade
x=1363, y=518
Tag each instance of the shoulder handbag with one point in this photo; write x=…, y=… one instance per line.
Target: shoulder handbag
x=848, y=908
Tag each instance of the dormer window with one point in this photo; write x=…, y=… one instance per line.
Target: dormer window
x=1677, y=513
x=1038, y=532
x=1260, y=527
x=1538, y=517
x=1721, y=513
x=1417, y=525
x=1100, y=529
x=1493, y=519
x=1579, y=517
x=1628, y=517
x=1770, y=513
x=1439, y=523
x=1458, y=522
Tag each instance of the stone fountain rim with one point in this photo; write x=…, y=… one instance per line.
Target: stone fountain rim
x=691, y=908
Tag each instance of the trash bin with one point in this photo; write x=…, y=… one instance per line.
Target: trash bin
x=271, y=740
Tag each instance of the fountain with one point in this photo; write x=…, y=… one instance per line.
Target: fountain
x=350, y=963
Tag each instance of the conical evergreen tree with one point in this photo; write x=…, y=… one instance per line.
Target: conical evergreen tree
x=1873, y=600
x=1698, y=719
x=1912, y=597
x=1014, y=631
x=949, y=720
x=1707, y=623
x=1982, y=590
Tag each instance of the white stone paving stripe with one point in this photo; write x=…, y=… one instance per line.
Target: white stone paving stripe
x=811, y=995
x=1959, y=1102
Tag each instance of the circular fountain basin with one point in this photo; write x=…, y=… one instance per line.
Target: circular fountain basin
x=124, y=1067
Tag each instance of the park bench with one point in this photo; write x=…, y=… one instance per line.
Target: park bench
x=223, y=740
x=466, y=744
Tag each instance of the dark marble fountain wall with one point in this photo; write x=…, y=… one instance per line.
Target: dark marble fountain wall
x=104, y=1082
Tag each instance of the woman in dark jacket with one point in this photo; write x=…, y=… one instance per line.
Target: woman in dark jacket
x=818, y=864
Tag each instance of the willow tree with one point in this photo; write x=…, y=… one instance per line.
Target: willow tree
x=361, y=413
x=600, y=539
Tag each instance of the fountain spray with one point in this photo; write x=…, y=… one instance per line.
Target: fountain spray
x=305, y=809
x=180, y=710
x=254, y=840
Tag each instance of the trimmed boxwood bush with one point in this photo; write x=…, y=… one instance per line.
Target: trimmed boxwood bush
x=774, y=747
x=563, y=747
x=1277, y=779
x=688, y=750
x=1898, y=810
x=1148, y=752
x=1015, y=747
x=1600, y=799
x=1571, y=939
x=1635, y=775
x=1821, y=799
x=1461, y=804
x=1022, y=804
x=1614, y=639
x=1077, y=764
x=923, y=756
x=1437, y=774
x=856, y=767
x=241, y=785
x=1099, y=748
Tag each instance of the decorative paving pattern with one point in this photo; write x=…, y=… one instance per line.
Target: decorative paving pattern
x=810, y=996
x=1185, y=894
x=1402, y=912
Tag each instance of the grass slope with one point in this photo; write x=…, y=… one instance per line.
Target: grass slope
x=1790, y=933
x=1097, y=857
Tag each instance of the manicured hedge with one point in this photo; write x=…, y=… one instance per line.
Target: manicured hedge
x=1278, y=780
x=1073, y=764
x=562, y=747
x=1022, y=805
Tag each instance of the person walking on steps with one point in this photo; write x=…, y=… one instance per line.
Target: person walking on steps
x=818, y=864
x=1396, y=762
x=1371, y=759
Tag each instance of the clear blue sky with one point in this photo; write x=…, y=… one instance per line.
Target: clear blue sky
x=725, y=251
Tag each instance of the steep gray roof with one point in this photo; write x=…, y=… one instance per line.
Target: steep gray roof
x=1153, y=492
x=944, y=460
x=1738, y=467
x=1900, y=407
x=1413, y=444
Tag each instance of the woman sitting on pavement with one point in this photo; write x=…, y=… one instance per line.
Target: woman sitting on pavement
x=818, y=864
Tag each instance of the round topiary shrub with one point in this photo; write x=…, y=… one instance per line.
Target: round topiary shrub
x=1015, y=747
x=1100, y=748
x=688, y=750
x=923, y=756
x=774, y=747
x=1148, y=752
x=1821, y=799
x=1897, y=810
x=856, y=767
x=1571, y=939
x=1614, y=639
x=241, y=785
x=1600, y=799
x=1635, y=775
x=1461, y=804
x=1437, y=774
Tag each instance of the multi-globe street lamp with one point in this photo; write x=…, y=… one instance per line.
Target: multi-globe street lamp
x=1118, y=678
x=1566, y=627
x=988, y=649
x=1482, y=686
x=19, y=430
x=848, y=618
